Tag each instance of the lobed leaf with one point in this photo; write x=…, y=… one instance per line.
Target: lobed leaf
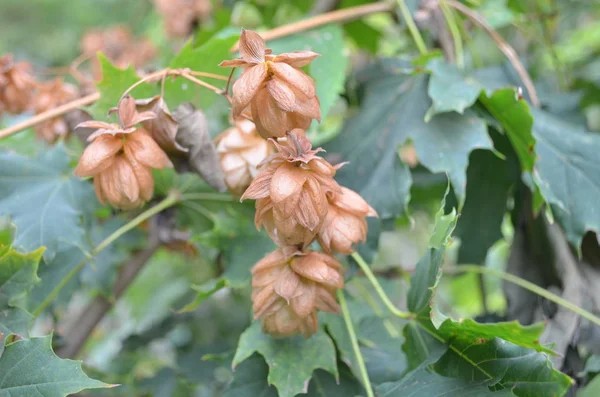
x=29, y=367
x=291, y=361
x=42, y=197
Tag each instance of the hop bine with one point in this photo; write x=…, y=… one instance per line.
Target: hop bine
x=297, y=198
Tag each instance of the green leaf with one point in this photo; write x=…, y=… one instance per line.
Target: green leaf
x=568, y=173
x=43, y=197
x=489, y=180
x=476, y=352
x=449, y=90
x=204, y=292
x=329, y=69
x=429, y=269
x=424, y=382
x=526, y=372
x=205, y=58
x=250, y=379
x=592, y=389
x=52, y=273
x=291, y=361
x=13, y=321
x=513, y=113
x=114, y=83
x=18, y=275
x=29, y=367
x=392, y=111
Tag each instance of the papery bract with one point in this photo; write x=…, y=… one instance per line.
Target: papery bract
x=279, y=95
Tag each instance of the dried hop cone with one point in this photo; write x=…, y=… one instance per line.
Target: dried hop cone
x=281, y=97
x=182, y=16
x=17, y=86
x=118, y=45
x=345, y=224
x=287, y=291
x=121, y=158
x=49, y=96
x=291, y=192
x=241, y=150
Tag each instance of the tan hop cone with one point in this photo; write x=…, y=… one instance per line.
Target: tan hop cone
x=17, y=85
x=121, y=158
x=279, y=95
x=182, y=16
x=49, y=96
x=241, y=150
x=345, y=224
x=291, y=192
x=118, y=45
x=287, y=291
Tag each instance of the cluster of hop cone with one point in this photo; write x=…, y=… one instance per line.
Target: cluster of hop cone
x=265, y=156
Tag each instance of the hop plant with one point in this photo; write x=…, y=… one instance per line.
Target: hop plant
x=120, y=157
x=345, y=223
x=278, y=94
x=17, y=85
x=297, y=197
x=241, y=150
x=288, y=291
x=291, y=192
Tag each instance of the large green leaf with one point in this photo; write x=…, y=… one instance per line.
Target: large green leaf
x=489, y=179
x=205, y=58
x=250, y=380
x=425, y=382
x=568, y=173
x=526, y=372
x=452, y=90
x=393, y=111
x=30, y=368
x=329, y=69
x=449, y=89
x=44, y=200
x=291, y=361
x=475, y=352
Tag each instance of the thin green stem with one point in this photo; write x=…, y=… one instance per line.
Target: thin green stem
x=454, y=32
x=371, y=277
x=536, y=289
x=412, y=27
x=169, y=201
x=359, y=358
x=208, y=196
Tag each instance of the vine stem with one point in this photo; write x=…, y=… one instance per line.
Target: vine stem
x=57, y=111
x=373, y=280
x=207, y=196
x=343, y=15
x=412, y=27
x=454, y=32
x=359, y=358
x=172, y=199
x=536, y=289
x=506, y=48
